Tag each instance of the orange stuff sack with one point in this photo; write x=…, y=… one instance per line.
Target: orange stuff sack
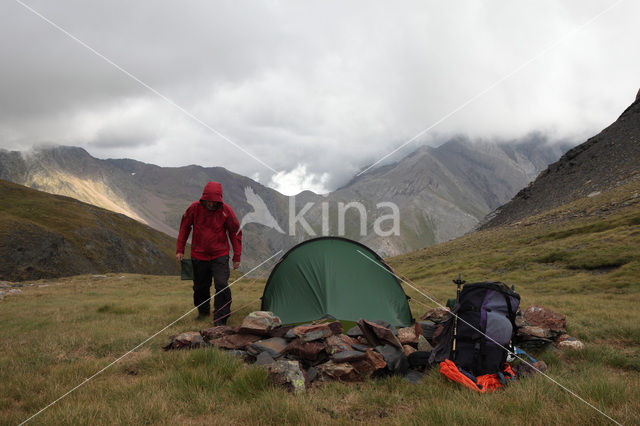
x=482, y=384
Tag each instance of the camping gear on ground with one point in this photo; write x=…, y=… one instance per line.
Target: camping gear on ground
x=486, y=324
x=186, y=269
x=486, y=314
x=338, y=278
x=483, y=383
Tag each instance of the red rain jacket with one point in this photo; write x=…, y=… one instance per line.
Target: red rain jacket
x=210, y=228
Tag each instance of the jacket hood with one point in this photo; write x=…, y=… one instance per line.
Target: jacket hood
x=212, y=192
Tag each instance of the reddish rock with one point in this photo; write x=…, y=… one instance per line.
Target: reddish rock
x=377, y=334
x=539, y=316
x=310, y=351
x=437, y=315
x=259, y=322
x=216, y=332
x=312, y=332
x=339, y=343
x=370, y=365
x=338, y=371
x=336, y=327
x=408, y=350
x=189, y=339
x=235, y=341
x=408, y=336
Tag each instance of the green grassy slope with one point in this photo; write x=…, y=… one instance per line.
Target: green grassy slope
x=581, y=259
x=44, y=235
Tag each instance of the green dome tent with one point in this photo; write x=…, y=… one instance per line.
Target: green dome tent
x=336, y=277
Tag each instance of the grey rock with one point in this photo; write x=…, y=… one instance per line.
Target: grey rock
x=274, y=346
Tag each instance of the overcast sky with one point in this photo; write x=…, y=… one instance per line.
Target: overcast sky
x=315, y=90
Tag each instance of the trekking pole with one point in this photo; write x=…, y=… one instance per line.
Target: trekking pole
x=458, y=283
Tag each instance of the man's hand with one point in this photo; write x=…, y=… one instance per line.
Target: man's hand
x=179, y=256
x=236, y=265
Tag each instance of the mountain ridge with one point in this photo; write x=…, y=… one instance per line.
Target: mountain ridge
x=436, y=203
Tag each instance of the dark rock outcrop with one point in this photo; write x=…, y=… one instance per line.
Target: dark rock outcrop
x=605, y=161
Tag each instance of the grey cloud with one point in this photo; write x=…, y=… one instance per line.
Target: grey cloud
x=329, y=85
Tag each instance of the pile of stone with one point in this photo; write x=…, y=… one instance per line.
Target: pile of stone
x=538, y=326
x=296, y=356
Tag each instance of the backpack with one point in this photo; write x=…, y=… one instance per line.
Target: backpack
x=484, y=309
x=490, y=308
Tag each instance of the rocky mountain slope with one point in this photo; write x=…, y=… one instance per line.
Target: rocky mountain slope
x=444, y=192
x=44, y=235
x=441, y=192
x=156, y=196
x=607, y=160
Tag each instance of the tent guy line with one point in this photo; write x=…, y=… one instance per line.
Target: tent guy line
x=145, y=341
x=508, y=351
x=145, y=85
x=498, y=82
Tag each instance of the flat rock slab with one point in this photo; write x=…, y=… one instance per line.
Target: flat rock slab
x=235, y=341
x=377, y=334
x=274, y=346
x=360, y=347
x=339, y=343
x=338, y=371
x=530, y=330
x=216, y=332
x=312, y=332
x=189, y=339
x=395, y=358
x=371, y=365
x=309, y=351
x=347, y=356
x=354, y=332
x=264, y=358
x=259, y=322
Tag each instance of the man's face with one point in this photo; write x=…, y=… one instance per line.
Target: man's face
x=212, y=205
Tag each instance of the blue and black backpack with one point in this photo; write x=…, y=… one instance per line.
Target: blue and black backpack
x=476, y=339
x=486, y=324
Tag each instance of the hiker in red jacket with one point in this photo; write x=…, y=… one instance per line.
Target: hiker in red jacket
x=214, y=223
